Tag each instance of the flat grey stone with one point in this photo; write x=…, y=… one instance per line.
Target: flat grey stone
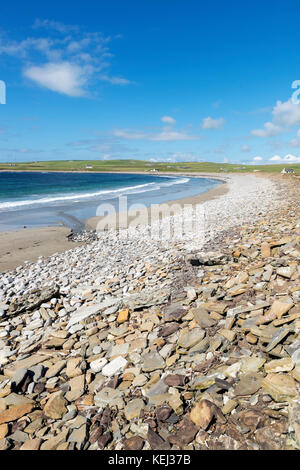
x=152, y=361
x=189, y=338
x=276, y=338
x=83, y=313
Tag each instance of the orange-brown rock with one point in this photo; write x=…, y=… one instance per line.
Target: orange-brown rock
x=15, y=412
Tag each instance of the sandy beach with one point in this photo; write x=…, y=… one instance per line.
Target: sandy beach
x=241, y=199
x=137, y=343
x=19, y=246
x=29, y=244
x=149, y=230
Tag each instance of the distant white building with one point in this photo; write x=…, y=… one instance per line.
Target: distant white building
x=154, y=170
x=287, y=170
x=89, y=167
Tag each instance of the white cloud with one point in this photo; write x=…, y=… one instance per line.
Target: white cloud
x=245, y=148
x=54, y=25
x=170, y=136
x=270, y=130
x=257, y=159
x=276, y=158
x=168, y=120
x=127, y=134
x=21, y=49
x=209, y=123
x=291, y=158
x=166, y=135
x=115, y=80
x=65, y=78
x=64, y=62
x=286, y=159
x=286, y=113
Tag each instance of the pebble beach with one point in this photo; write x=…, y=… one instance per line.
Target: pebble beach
x=130, y=342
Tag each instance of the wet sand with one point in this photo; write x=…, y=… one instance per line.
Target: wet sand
x=28, y=244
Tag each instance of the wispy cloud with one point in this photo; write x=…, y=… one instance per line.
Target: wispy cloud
x=266, y=109
x=270, y=130
x=168, y=120
x=54, y=25
x=210, y=123
x=129, y=134
x=166, y=135
x=115, y=80
x=285, y=115
x=63, y=62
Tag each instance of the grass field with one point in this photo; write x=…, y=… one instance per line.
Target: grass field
x=144, y=166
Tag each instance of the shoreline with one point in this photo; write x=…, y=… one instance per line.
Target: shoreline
x=30, y=244
x=111, y=339
x=160, y=173
x=146, y=172
x=18, y=246
x=192, y=200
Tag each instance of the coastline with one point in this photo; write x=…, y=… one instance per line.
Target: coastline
x=131, y=332
x=193, y=200
x=145, y=172
x=19, y=246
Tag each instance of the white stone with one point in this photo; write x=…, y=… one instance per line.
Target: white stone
x=116, y=365
x=83, y=313
x=98, y=364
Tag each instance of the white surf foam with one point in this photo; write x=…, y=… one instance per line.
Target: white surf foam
x=98, y=194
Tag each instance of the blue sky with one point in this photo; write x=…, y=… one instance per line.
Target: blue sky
x=161, y=80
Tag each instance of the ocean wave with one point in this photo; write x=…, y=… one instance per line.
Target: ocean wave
x=104, y=194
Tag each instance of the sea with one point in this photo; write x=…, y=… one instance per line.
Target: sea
x=41, y=199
